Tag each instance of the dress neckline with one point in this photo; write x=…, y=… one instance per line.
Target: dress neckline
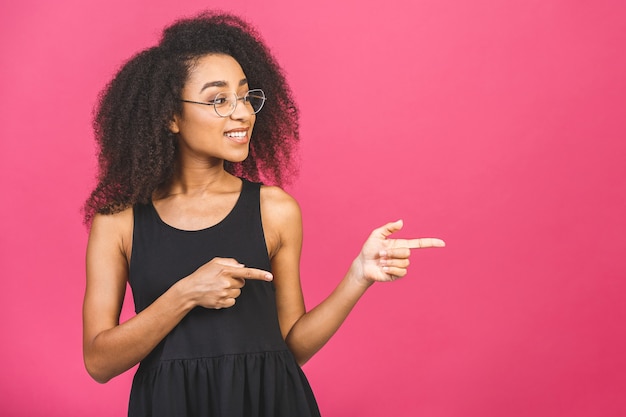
x=219, y=223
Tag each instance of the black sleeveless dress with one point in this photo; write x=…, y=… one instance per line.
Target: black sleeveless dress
x=231, y=362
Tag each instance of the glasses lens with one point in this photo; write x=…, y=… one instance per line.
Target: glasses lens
x=255, y=99
x=225, y=103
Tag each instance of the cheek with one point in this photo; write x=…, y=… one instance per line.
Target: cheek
x=202, y=124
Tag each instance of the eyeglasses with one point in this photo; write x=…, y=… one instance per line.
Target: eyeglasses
x=226, y=103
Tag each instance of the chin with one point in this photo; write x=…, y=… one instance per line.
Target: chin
x=234, y=159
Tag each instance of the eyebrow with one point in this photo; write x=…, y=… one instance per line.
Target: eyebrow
x=243, y=81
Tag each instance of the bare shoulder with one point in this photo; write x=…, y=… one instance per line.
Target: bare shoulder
x=277, y=205
x=116, y=229
x=282, y=219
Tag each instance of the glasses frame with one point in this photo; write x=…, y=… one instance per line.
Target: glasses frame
x=237, y=99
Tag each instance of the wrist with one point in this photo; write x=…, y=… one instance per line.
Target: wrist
x=183, y=295
x=356, y=275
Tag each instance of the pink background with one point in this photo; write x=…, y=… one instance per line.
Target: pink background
x=496, y=125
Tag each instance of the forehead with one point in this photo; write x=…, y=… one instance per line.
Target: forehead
x=215, y=67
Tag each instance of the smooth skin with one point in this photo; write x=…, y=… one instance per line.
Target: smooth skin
x=200, y=195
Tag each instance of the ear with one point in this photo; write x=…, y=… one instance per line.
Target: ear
x=173, y=126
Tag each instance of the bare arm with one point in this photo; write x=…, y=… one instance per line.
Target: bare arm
x=111, y=348
x=380, y=259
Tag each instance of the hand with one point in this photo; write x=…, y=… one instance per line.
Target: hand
x=382, y=259
x=218, y=283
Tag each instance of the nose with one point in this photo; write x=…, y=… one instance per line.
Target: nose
x=241, y=111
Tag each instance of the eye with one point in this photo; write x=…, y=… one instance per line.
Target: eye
x=219, y=101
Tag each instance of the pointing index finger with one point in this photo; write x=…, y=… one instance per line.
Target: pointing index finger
x=252, y=273
x=419, y=243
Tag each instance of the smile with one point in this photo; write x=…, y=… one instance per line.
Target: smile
x=237, y=135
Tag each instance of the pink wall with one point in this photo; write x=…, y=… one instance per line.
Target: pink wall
x=496, y=125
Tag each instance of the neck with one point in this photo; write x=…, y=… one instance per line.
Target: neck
x=195, y=179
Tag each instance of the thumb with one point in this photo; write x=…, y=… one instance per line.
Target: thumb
x=388, y=229
x=227, y=262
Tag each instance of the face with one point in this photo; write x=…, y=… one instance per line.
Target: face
x=204, y=136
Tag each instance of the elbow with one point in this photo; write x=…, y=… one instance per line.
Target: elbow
x=300, y=359
x=98, y=373
x=99, y=377
x=300, y=354
x=96, y=363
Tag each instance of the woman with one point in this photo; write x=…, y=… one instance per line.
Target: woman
x=176, y=215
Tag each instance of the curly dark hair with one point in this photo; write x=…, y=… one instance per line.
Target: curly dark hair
x=136, y=149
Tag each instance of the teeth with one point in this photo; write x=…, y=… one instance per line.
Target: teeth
x=235, y=134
